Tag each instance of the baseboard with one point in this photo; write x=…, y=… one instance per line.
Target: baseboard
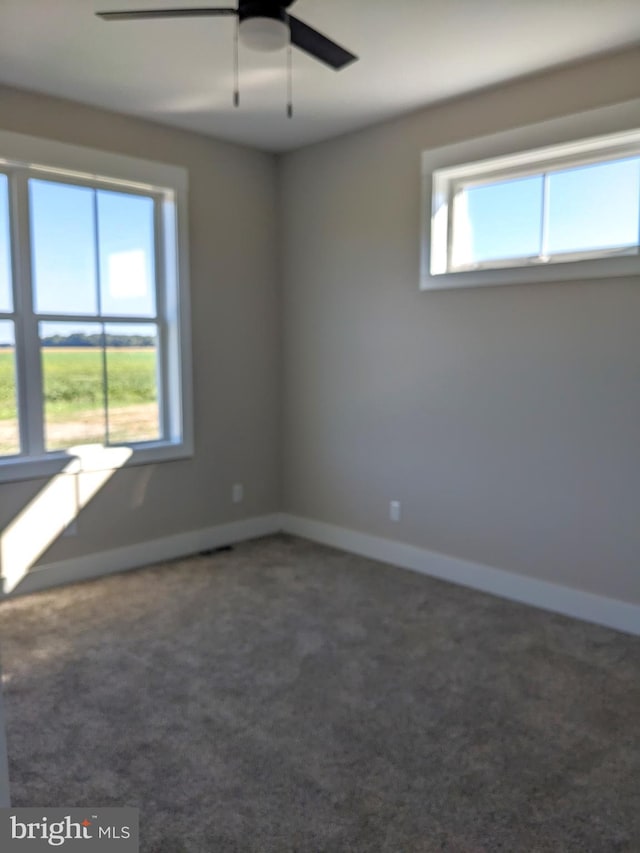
x=527, y=590
x=145, y=553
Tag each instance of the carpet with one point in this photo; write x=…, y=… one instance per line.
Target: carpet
x=285, y=696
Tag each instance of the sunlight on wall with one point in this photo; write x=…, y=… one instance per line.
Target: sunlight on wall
x=54, y=508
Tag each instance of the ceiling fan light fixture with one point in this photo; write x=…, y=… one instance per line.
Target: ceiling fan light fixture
x=265, y=34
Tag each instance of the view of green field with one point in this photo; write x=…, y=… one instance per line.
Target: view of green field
x=75, y=399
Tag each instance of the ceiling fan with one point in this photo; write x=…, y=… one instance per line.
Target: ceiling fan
x=263, y=25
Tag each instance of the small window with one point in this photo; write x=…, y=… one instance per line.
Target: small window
x=574, y=203
x=93, y=309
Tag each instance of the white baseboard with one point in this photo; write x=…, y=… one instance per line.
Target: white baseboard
x=538, y=593
x=145, y=553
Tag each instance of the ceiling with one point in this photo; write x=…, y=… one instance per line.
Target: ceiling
x=412, y=52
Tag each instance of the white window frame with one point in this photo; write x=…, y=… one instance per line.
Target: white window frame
x=589, y=137
x=22, y=157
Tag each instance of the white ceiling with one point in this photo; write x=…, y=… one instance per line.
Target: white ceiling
x=412, y=52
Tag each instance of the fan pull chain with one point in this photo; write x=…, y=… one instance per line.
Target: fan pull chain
x=236, y=73
x=289, y=82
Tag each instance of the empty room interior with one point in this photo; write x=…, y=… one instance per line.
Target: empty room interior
x=319, y=423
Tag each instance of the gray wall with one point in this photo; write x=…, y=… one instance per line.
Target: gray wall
x=234, y=343
x=504, y=418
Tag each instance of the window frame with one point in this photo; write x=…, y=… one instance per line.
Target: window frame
x=24, y=157
x=578, y=140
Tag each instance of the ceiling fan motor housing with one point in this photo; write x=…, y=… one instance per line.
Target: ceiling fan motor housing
x=262, y=9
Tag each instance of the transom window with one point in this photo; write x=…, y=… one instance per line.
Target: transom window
x=574, y=203
x=92, y=319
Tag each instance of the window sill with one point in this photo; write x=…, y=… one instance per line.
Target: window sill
x=90, y=458
x=558, y=271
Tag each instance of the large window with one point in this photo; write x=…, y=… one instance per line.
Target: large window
x=93, y=309
x=566, y=210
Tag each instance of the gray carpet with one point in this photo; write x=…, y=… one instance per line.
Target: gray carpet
x=289, y=697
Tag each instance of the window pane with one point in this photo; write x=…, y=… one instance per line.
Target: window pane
x=5, y=247
x=9, y=436
x=63, y=248
x=496, y=221
x=125, y=228
x=132, y=383
x=594, y=207
x=72, y=368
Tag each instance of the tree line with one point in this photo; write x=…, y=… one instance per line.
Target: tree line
x=79, y=339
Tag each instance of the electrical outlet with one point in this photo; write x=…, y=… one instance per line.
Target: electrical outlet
x=237, y=493
x=394, y=510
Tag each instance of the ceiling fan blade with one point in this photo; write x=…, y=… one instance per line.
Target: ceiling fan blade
x=319, y=46
x=165, y=13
